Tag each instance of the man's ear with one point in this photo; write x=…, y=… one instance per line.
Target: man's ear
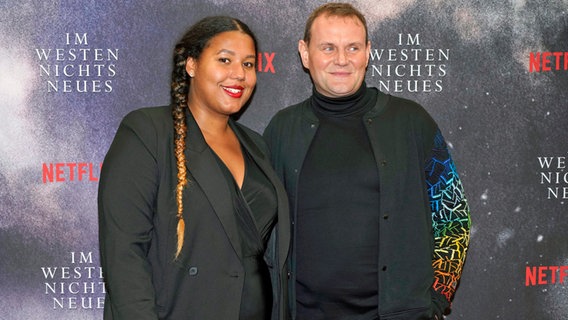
x=368, y=52
x=304, y=54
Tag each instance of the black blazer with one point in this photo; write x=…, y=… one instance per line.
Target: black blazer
x=137, y=225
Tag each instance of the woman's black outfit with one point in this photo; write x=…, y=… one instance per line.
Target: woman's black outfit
x=255, y=210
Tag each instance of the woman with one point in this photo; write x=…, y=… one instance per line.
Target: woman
x=187, y=197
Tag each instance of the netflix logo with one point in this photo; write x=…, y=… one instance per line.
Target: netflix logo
x=71, y=171
x=264, y=62
x=548, y=61
x=543, y=275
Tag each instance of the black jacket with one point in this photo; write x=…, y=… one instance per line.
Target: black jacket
x=137, y=221
x=424, y=227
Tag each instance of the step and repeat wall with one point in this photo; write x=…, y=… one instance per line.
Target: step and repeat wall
x=494, y=75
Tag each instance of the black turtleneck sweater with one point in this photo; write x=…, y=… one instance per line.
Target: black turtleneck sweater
x=337, y=218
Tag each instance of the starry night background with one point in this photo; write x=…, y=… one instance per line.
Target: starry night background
x=497, y=117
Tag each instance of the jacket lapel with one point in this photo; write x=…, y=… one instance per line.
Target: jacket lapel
x=205, y=170
x=283, y=213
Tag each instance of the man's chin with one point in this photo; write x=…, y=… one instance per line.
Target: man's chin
x=342, y=91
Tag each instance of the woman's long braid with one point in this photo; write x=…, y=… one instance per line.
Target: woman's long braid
x=191, y=46
x=179, y=91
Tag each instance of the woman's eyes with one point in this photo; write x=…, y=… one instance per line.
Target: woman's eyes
x=246, y=64
x=249, y=64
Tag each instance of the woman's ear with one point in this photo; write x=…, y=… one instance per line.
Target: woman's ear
x=190, y=67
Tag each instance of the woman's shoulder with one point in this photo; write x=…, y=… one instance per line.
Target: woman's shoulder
x=154, y=114
x=145, y=119
x=254, y=136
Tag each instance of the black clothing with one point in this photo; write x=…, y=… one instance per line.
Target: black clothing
x=354, y=105
x=424, y=216
x=337, y=220
x=137, y=226
x=255, y=211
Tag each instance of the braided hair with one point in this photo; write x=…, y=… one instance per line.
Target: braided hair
x=191, y=45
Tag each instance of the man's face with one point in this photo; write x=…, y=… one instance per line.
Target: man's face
x=337, y=55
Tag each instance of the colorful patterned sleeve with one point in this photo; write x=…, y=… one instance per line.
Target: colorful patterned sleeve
x=450, y=219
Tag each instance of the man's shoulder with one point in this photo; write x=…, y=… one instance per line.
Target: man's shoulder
x=399, y=103
x=402, y=107
x=289, y=114
x=293, y=109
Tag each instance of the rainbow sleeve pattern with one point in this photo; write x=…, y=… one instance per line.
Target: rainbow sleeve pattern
x=450, y=218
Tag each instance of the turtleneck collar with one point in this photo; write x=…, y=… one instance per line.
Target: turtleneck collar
x=340, y=107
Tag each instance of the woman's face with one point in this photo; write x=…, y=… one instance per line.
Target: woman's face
x=224, y=76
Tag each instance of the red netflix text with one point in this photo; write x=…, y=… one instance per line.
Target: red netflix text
x=264, y=62
x=543, y=275
x=548, y=61
x=71, y=171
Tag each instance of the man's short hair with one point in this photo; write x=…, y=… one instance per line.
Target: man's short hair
x=337, y=9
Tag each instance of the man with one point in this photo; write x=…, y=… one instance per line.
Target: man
x=380, y=221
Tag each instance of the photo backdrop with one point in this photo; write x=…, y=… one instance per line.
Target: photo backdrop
x=493, y=74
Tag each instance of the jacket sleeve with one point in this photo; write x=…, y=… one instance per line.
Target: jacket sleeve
x=450, y=222
x=127, y=192
x=270, y=136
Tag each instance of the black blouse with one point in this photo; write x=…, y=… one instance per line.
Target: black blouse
x=255, y=207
